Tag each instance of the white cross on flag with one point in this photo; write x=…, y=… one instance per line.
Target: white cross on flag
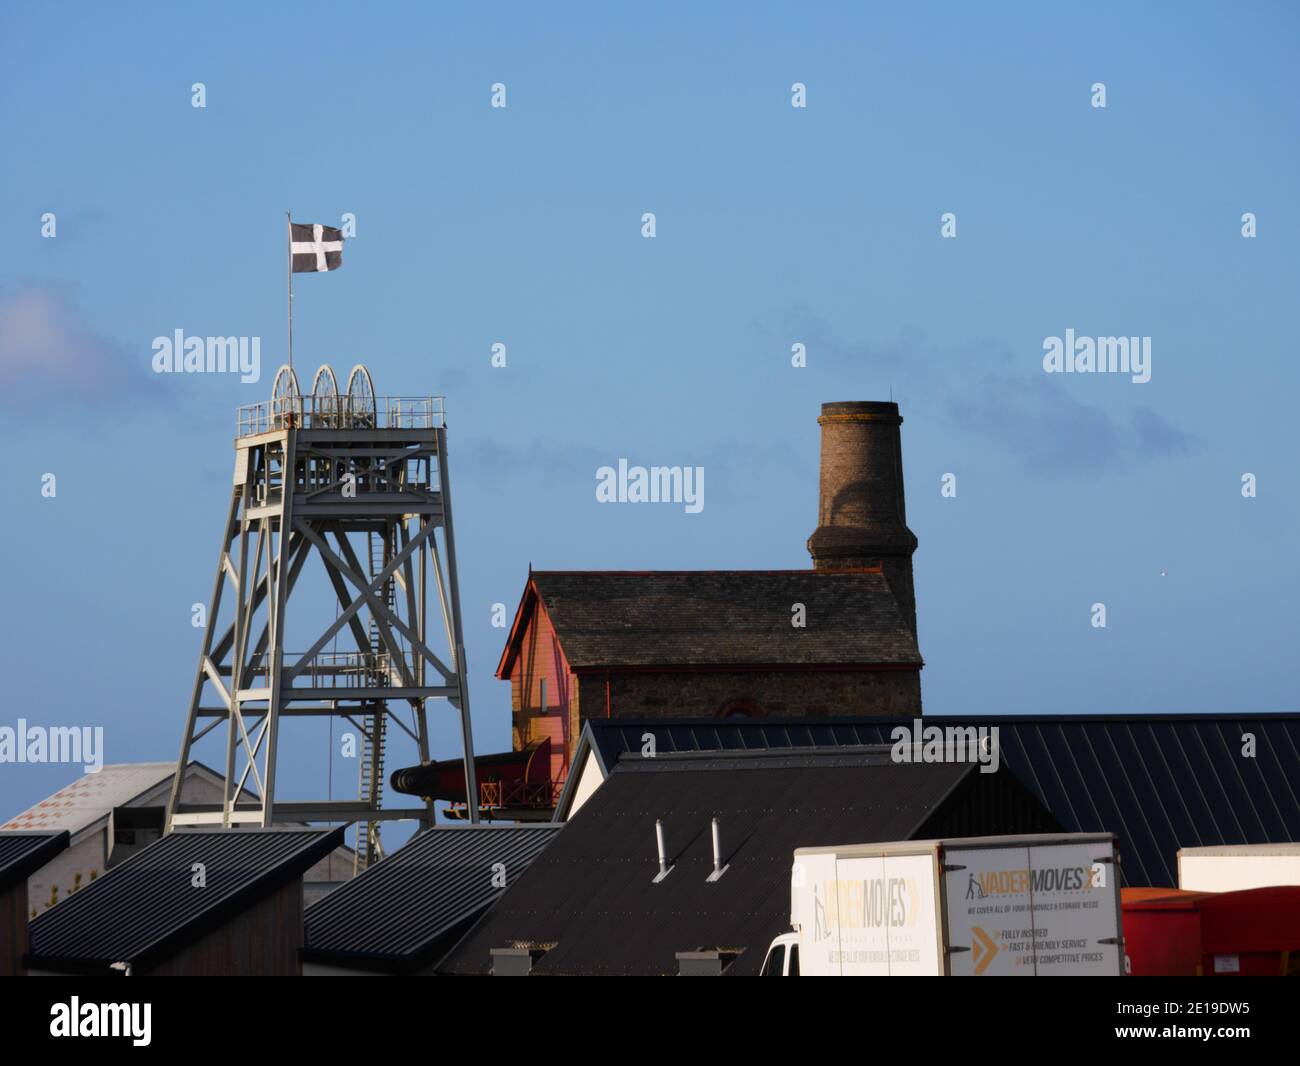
x=315, y=247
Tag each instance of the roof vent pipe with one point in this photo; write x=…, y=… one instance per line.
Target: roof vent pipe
x=718, y=868
x=664, y=868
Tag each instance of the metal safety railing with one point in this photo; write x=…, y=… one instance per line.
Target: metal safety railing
x=344, y=670
x=497, y=795
x=341, y=412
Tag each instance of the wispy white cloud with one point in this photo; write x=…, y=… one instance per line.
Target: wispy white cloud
x=1038, y=420
x=1158, y=437
x=50, y=355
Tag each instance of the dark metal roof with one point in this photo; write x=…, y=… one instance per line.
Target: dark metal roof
x=591, y=893
x=404, y=911
x=146, y=909
x=720, y=617
x=23, y=853
x=1159, y=782
x=612, y=737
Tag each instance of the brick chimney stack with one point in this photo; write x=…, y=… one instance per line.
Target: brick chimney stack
x=862, y=519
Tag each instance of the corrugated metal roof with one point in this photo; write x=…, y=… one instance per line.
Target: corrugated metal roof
x=92, y=796
x=146, y=908
x=22, y=854
x=1159, y=782
x=1163, y=784
x=400, y=912
x=591, y=893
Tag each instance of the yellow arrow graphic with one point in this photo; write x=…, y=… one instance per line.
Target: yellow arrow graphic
x=983, y=948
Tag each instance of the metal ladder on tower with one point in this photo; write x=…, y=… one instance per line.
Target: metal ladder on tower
x=373, y=742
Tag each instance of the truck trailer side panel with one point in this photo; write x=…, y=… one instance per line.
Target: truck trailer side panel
x=867, y=916
x=984, y=906
x=1040, y=910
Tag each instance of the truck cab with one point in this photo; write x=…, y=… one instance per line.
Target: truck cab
x=782, y=957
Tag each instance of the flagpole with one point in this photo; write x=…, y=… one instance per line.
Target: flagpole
x=289, y=248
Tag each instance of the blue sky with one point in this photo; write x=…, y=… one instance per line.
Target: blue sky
x=775, y=225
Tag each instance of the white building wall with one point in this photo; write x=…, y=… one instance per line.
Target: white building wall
x=591, y=779
x=74, y=867
x=1236, y=869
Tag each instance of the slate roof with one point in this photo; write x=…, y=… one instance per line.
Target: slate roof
x=145, y=909
x=23, y=853
x=1159, y=782
x=718, y=618
x=405, y=911
x=591, y=893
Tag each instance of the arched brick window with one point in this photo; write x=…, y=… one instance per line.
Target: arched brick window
x=740, y=709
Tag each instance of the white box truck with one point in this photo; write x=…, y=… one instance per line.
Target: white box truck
x=1233, y=867
x=987, y=906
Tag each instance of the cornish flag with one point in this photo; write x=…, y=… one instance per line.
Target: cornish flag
x=315, y=247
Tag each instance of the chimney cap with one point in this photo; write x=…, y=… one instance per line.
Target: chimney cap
x=860, y=411
x=705, y=962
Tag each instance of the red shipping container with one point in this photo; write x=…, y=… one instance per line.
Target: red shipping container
x=1255, y=932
